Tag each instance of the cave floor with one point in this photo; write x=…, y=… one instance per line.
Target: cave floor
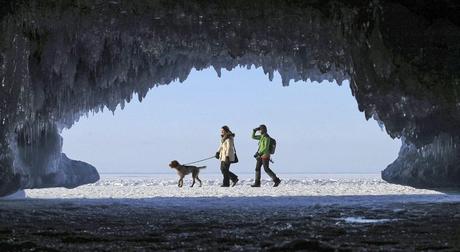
x=53, y=225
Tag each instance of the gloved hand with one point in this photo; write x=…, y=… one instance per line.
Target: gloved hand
x=217, y=155
x=256, y=129
x=256, y=155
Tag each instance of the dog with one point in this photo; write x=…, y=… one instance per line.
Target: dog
x=183, y=170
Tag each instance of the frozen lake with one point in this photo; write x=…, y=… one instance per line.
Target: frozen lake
x=295, y=189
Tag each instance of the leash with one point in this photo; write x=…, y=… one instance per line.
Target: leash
x=199, y=161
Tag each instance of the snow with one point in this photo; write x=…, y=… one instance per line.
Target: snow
x=295, y=189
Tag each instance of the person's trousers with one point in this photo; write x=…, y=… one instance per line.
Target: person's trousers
x=264, y=162
x=228, y=175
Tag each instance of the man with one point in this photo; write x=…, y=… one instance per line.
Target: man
x=263, y=155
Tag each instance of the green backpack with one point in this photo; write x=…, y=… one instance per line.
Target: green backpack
x=272, y=145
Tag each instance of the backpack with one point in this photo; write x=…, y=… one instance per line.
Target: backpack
x=272, y=145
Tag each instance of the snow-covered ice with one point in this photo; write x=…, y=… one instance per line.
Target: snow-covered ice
x=294, y=189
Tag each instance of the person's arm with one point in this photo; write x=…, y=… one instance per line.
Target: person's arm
x=254, y=136
x=226, y=147
x=220, y=147
x=218, y=151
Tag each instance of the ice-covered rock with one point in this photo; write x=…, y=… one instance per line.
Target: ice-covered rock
x=21, y=194
x=434, y=165
x=60, y=60
x=39, y=161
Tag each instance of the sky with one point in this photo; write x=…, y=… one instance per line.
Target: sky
x=317, y=126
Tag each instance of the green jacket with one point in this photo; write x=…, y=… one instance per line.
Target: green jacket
x=264, y=143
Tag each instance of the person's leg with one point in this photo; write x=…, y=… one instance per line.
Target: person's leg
x=258, y=167
x=225, y=172
x=266, y=164
x=232, y=175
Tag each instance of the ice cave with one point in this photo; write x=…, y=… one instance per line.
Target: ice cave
x=62, y=59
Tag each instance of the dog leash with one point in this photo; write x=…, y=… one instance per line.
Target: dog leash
x=199, y=161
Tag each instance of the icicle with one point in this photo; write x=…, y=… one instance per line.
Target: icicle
x=218, y=71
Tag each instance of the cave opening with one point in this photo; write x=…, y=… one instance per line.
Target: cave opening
x=60, y=60
x=318, y=127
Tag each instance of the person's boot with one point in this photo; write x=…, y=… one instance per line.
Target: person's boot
x=225, y=186
x=234, y=182
x=256, y=184
x=277, y=182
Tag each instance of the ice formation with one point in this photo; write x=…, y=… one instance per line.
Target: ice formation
x=62, y=59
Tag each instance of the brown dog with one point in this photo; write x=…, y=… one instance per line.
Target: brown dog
x=183, y=170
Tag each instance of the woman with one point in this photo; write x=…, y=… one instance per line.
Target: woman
x=226, y=154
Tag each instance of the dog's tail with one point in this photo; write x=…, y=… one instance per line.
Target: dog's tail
x=201, y=167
